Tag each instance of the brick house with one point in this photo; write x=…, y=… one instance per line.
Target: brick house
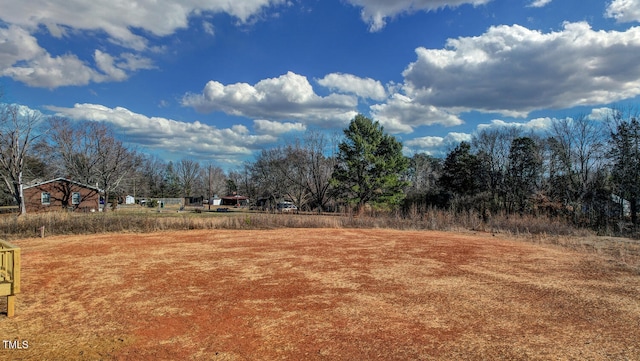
x=62, y=194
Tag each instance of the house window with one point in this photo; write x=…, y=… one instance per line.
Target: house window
x=45, y=198
x=75, y=198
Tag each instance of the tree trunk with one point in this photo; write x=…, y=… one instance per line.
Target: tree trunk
x=23, y=208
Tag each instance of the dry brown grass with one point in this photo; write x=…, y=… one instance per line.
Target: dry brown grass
x=57, y=223
x=529, y=228
x=320, y=294
x=127, y=221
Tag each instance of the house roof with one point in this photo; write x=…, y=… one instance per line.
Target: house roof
x=235, y=198
x=62, y=179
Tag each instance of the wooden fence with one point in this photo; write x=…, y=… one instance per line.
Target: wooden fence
x=9, y=274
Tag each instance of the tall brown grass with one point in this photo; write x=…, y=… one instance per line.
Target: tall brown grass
x=535, y=229
x=61, y=223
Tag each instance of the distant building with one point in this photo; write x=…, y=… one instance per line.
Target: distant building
x=215, y=201
x=236, y=200
x=129, y=200
x=62, y=194
x=193, y=201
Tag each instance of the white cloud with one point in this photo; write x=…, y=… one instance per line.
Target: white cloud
x=514, y=70
x=209, y=28
x=17, y=44
x=24, y=111
x=22, y=59
x=540, y=3
x=439, y=146
x=288, y=97
x=376, y=12
x=263, y=126
x=106, y=63
x=195, y=139
x=537, y=125
x=624, y=11
x=47, y=72
x=118, y=18
x=401, y=114
x=134, y=62
x=436, y=146
x=425, y=142
x=347, y=83
x=600, y=113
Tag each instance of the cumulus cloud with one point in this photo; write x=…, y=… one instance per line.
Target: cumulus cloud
x=624, y=11
x=514, y=70
x=195, y=139
x=376, y=12
x=600, y=113
x=106, y=63
x=435, y=146
x=17, y=44
x=537, y=125
x=439, y=146
x=263, y=126
x=24, y=111
x=287, y=97
x=118, y=18
x=362, y=87
x=22, y=59
x=401, y=114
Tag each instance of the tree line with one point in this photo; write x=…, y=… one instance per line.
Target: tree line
x=583, y=170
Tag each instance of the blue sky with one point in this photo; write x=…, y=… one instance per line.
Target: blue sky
x=219, y=80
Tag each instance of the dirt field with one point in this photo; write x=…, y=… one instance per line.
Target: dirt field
x=319, y=294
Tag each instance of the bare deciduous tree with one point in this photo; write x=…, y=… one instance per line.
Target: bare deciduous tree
x=493, y=147
x=115, y=161
x=320, y=162
x=16, y=136
x=187, y=171
x=577, y=152
x=89, y=152
x=71, y=149
x=265, y=173
x=244, y=181
x=215, y=181
x=293, y=167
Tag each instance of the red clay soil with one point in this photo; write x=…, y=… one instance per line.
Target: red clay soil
x=319, y=294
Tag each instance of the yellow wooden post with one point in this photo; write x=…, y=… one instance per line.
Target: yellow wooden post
x=16, y=270
x=9, y=274
x=11, y=306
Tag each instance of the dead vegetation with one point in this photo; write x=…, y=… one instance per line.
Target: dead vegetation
x=320, y=294
x=528, y=228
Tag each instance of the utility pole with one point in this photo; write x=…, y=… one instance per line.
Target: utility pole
x=209, y=187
